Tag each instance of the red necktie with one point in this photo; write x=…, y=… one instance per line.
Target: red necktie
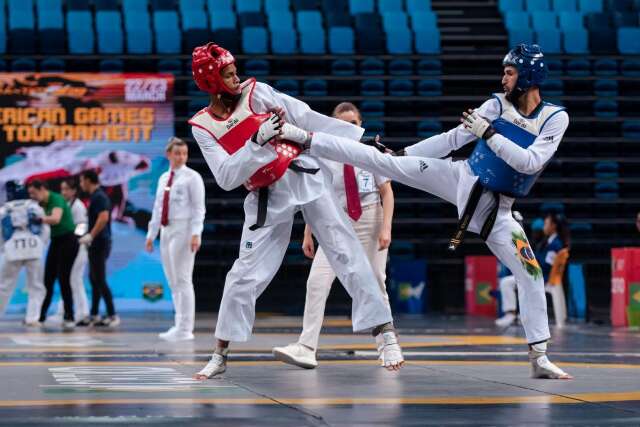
x=354, y=209
x=164, y=219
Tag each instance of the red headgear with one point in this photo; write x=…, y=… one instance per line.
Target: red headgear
x=206, y=64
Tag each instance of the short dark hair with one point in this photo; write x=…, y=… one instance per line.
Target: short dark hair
x=72, y=183
x=90, y=175
x=37, y=184
x=344, y=107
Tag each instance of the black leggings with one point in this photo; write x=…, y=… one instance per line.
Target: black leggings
x=98, y=253
x=62, y=253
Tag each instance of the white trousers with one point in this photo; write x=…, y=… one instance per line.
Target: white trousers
x=177, y=263
x=321, y=276
x=452, y=181
x=9, y=272
x=508, y=293
x=80, y=303
x=261, y=253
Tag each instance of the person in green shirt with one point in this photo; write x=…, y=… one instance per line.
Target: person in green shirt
x=62, y=250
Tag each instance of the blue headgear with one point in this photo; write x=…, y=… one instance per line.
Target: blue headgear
x=529, y=61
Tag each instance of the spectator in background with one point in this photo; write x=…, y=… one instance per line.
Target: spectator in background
x=69, y=190
x=62, y=250
x=556, y=232
x=178, y=214
x=98, y=240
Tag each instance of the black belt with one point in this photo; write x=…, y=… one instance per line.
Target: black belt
x=469, y=210
x=263, y=196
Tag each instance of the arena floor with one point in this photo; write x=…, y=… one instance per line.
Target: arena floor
x=460, y=371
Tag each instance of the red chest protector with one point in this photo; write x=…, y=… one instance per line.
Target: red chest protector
x=233, y=133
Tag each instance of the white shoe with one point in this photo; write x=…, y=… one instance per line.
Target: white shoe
x=391, y=355
x=168, y=333
x=68, y=326
x=296, y=354
x=175, y=335
x=33, y=324
x=541, y=367
x=294, y=134
x=216, y=366
x=505, y=321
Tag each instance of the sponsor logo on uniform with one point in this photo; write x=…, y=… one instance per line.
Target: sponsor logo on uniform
x=520, y=122
x=231, y=123
x=248, y=245
x=423, y=165
x=549, y=138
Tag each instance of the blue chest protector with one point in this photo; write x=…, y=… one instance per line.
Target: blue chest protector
x=493, y=172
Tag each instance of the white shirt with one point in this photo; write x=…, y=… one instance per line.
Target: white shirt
x=79, y=212
x=524, y=160
x=294, y=188
x=186, y=201
x=368, y=184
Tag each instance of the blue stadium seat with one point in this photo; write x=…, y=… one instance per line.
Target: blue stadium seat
x=170, y=66
x=138, y=28
x=191, y=6
x=372, y=88
x=369, y=34
x=280, y=19
x=252, y=19
x=167, y=32
x=372, y=108
x=394, y=20
x=631, y=129
x=578, y=67
x=430, y=87
x=134, y=6
x=401, y=87
x=552, y=87
x=372, y=67
x=505, y=6
x=532, y=5
x=23, y=64
x=312, y=41
x=605, y=108
x=338, y=19
x=589, y=6
x=600, y=41
x=109, y=31
x=80, y=32
x=554, y=66
x=21, y=14
x=341, y=40
x=373, y=128
x=53, y=41
x=52, y=65
x=570, y=20
x=575, y=41
x=163, y=5
x=315, y=87
x=429, y=67
x=605, y=87
x=360, y=6
x=424, y=19
x=428, y=128
x=111, y=66
x=290, y=87
x=418, y=6
x=630, y=68
x=390, y=5
x=243, y=6
x=605, y=67
x=564, y=5
x=343, y=67
x=219, y=5
x=3, y=32
x=550, y=40
x=257, y=67
x=522, y=35
x=271, y=6
x=309, y=20
x=543, y=20
x=194, y=20
x=400, y=67
x=427, y=41
x=516, y=20
x=50, y=15
x=222, y=19
x=106, y=5
x=629, y=40
x=254, y=40
x=400, y=42
x=283, y=41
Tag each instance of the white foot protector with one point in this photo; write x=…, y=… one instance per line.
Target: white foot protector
x=391, y=356
x=216, y=366
x=541, y=367
x=380, y=346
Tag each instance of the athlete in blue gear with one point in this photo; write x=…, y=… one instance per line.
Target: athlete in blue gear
x=518, y=134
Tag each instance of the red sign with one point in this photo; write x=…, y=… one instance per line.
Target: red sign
x=480, y=280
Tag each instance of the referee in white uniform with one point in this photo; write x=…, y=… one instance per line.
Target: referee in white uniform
x=178, y=213
x=360, y=193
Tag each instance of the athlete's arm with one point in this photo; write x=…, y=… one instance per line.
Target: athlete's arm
x=301, y=115
x=439, y=146
x=532, y=159
x=231, y=171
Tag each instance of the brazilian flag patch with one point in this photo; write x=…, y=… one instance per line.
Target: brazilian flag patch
x=152, y=291
x=483, y=293
x=525, y=254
